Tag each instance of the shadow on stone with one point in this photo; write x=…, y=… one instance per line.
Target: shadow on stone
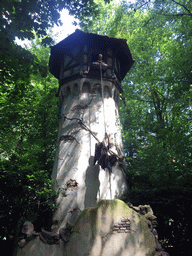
x=92, y=184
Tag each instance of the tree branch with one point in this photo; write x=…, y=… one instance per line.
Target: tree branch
x=175, y=15
x=143, y=5
x=147, y=21
x=143, y=100
x=82, y=125
x=183, y=7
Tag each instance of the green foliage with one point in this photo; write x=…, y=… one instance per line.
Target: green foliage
x=28, y=134
x=172, y=207
x=20, y=19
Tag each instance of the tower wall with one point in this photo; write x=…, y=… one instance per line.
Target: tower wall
x=82, y=184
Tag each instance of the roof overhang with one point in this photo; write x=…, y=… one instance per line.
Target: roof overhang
x=79, y=38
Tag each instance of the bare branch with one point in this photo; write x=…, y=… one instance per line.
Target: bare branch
x=142, y=100
x=147, y=21
x=175, y=15
x=183, y=7
x=143, y=4
x=82, y=125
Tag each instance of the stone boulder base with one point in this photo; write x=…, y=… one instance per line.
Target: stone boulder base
x=110, y=228
x=38, y=248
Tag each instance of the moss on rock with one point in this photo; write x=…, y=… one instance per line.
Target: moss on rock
x=94, y=233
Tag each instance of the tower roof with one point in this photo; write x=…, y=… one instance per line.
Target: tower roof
x=80, y=38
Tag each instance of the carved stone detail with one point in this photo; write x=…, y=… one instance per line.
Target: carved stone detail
x=91, y=86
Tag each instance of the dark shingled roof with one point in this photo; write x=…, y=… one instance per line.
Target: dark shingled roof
x=79, y=38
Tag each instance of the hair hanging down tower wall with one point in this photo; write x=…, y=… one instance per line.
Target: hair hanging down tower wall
x=88, y=163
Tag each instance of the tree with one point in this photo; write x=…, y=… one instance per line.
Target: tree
x=28, y=134
x=20, y=19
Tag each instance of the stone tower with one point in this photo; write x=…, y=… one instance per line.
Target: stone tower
x=89, y=171
x=90, y=69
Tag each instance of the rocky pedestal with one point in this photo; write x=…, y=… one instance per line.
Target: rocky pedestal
x=111, y=228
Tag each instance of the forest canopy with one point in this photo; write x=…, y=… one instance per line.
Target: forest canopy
x=155, y=109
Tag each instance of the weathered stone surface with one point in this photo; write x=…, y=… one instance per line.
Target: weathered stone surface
x=27, y=229
x=92, y=233
x=81, y=183
x=27, y=234
x=49, y=237
x=38, y=248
